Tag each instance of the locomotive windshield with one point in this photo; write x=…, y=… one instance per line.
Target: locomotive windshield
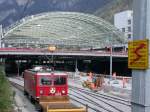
x=45, y=81
x=59, y=81
x=41, y=69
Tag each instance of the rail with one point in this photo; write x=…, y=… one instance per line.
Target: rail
x=96, y=101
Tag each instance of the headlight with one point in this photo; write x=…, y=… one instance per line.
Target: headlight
x=63, y=91
x=52, y=90
x=41, y=91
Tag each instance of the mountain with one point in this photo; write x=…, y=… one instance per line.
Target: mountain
x=107, y=12
x=13, y=10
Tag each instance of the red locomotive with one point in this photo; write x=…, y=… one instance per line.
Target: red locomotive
x=41, y=81
x=50, y=89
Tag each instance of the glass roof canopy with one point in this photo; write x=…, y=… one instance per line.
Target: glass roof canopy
x=70, y=29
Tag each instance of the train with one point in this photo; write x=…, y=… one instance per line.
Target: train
x=50, y=89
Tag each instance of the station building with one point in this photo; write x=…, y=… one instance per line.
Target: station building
x=67, y=31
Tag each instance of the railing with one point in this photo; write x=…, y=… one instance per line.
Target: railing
x=60, y=52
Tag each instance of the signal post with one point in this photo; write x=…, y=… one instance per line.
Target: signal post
x=140, y=74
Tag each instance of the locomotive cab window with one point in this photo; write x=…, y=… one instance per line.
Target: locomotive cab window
x=60, y=81
x=45, y=81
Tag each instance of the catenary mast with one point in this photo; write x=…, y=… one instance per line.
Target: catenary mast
x=141, y=78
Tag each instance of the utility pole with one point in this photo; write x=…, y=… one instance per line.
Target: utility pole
x=110, y=66
x=141, y=78
x=1, y=35
x=76, y=68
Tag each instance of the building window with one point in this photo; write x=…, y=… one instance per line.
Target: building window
x=129, y=29
x=129, y=21
x=123, y=29
x=129, y=36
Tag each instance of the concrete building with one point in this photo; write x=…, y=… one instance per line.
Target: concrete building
x=124, y=22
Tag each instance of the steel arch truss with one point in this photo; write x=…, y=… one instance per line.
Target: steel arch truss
x=62, y=28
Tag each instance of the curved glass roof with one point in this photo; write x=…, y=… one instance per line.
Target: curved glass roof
x=63, y=29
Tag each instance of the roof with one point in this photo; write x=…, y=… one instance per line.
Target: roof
x=55, y=74
x=62, y=29
x=44, y=72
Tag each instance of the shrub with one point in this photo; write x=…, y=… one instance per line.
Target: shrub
x=5, y=93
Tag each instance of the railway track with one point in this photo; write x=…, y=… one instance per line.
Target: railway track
x=21, y=89
x=112, y=98
x=92, y=109
x=91, y=104
x=113, y=103
x=95, y=102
